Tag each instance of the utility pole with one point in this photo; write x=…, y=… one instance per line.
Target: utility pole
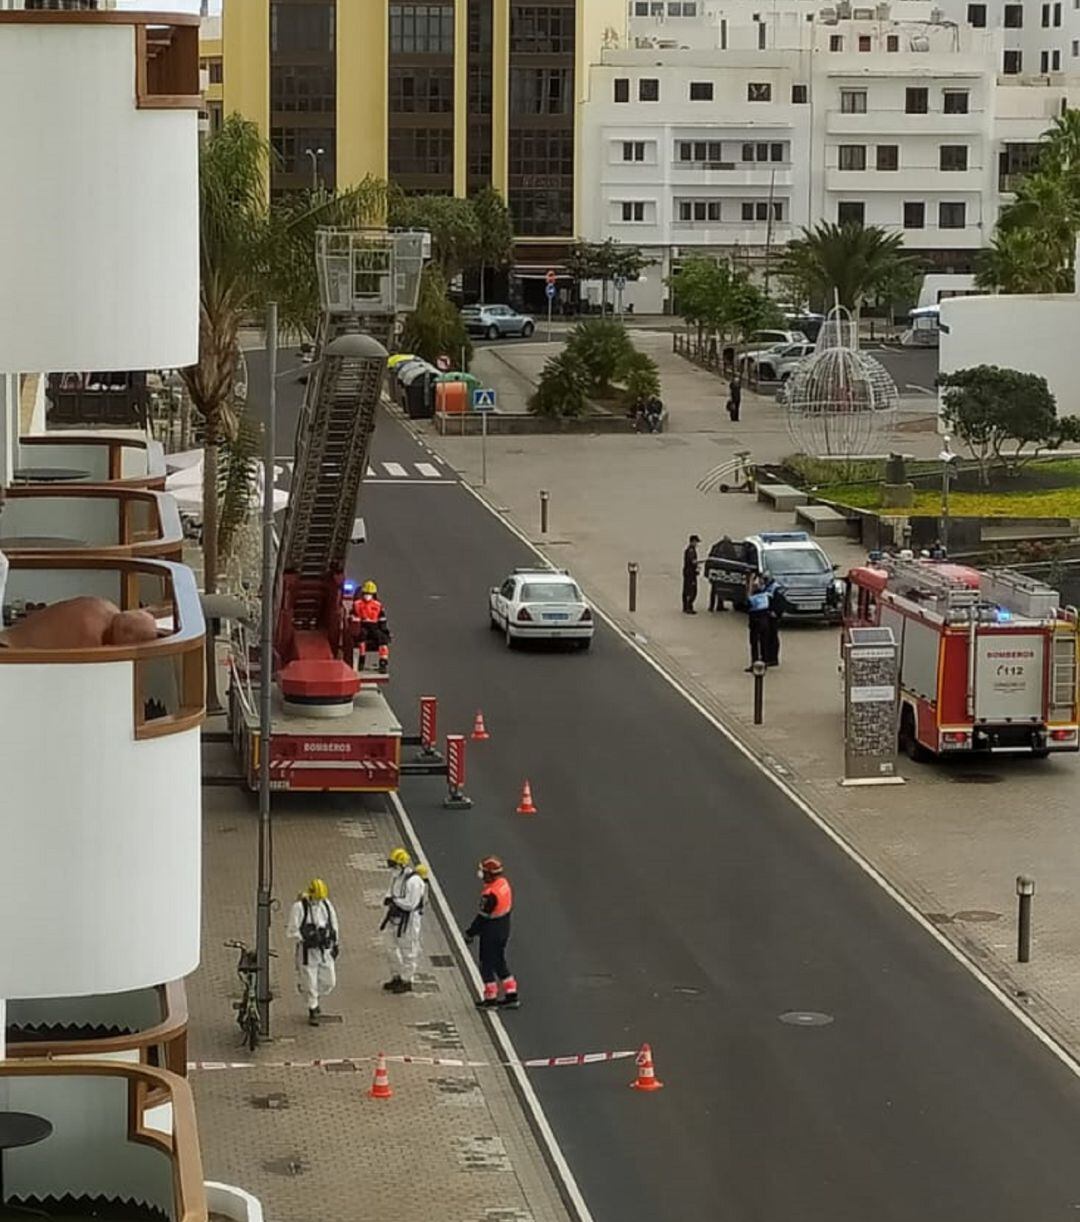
x=266, y=684
x=768, y=227
x=314, y=154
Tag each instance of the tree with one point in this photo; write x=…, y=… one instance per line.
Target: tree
x=604, y=261
x=851, y=262
x=496, y=242
x=640, y=379
x=998, y=413
x=435, y=328
x=562, y=388
x=603, y=348
x=251, y=253
x=452, y=223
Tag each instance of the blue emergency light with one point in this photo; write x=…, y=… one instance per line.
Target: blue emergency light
x=349, y=587
x=784, y=536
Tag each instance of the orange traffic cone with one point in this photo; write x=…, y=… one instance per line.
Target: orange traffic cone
x=380, y=1086
x=646, y=1074
x=479, y=730
x=525, y=806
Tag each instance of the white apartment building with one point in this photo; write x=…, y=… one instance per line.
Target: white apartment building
x=721, y=129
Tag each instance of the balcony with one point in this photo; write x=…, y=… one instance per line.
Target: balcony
x=105, y=1151
x=121, y=522
x=732, y=233
x=95, y=458
x=100, y=752
x=687, y=174
x=101, y=258
x=907, y=181
x=874, y=123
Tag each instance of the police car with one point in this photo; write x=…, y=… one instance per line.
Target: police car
x=805, y=574
x=541, y=604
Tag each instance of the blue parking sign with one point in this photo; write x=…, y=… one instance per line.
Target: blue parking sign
x=550, y=292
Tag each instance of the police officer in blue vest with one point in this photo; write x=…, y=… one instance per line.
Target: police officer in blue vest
x=759, y=616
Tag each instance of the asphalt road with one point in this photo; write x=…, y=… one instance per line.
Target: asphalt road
x=666, y=892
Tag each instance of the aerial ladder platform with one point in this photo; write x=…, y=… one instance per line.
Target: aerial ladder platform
x=333, y=729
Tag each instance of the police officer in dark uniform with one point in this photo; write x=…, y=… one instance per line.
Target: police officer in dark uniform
x=690, y=565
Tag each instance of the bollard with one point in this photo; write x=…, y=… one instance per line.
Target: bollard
x=455, y=774
x=544, y=495
x=758, y=671
x=1025, y=889
x=429, y=706
x=632, y=571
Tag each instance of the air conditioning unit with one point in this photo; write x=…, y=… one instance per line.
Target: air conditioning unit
x=863, y=14
x=919, y=42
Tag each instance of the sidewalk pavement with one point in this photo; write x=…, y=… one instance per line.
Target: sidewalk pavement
x=951, y=840
x=452, y=1143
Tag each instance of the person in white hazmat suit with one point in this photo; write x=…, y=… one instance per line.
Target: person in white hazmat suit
x=401, y=926
x=313, y=926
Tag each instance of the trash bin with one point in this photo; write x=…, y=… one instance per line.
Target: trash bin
x=451, y=398
x=417, y=396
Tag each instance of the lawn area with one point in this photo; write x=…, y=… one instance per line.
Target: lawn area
x=1048, y=503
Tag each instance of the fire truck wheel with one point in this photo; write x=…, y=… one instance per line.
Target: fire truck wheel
x=909, y=744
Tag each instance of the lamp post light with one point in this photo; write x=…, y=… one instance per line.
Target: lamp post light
x=315, y=154
x=947, y=458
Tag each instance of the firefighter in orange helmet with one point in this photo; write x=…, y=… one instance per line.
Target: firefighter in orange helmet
x=492, y=925
x=370, y=630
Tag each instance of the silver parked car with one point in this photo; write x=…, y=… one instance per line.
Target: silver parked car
x=496, y=321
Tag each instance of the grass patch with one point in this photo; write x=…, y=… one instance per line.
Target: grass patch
x=1048, y=503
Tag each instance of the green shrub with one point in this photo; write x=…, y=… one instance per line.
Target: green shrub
x=562, y=388
x=640, y=378
x=603, y=348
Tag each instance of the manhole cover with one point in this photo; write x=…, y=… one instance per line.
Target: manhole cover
x=806, y=1018
x=290, y=1165
x=441, y=960
x=975, y=778
x=977, y=915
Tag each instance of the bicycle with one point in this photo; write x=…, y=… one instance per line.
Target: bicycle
x=247, y=1008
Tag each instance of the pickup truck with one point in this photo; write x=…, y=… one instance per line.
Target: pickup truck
x=806, y=576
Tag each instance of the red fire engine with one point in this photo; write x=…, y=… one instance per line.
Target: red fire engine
x=988, y=660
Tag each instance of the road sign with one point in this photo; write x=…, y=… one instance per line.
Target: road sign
x=620, y=283
x=483, y=400
x=443, y=363
x=551, y=277
x=550, y=292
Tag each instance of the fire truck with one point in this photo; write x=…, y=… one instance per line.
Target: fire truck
x=333, y=729
x=988, y=660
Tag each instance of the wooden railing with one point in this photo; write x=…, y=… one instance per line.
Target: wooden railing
x=164, y=589
x=148, y=523
x=166, y=51
x=115, y=454
x=147, y=1088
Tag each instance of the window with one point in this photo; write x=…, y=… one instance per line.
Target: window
x=1075, y=47
x=622, y=89
x=852, y=157
x=421, y=150
x=758, y=210
x=850, y=212
x=763, y=152
x=699, y=210
x=977, y=16
x=633, y=150
x=917, y=101
x=302, y=88
x=1055, y=61
x=761, y=33
x=701, y=91
x=853, y=101
x=836, y=42
x=1013, y=17
x=648, y=89
x=892, y=42
x=1044, y=62
x=217, y=72
x=1057, y=15
x=307, y=29
x=1045, y=16
x=915, y=215
x=633, y=210
x=419, y=29
x=952, y=216
x=1012, y=63
x=955, y=102
x=776, y=152
x=888, y=157
x=759, y=92
x=541, y=91
x=864, y=42
x=541, y=29
x=798, y=95
x=953, y=157
x=710, y=151
x=420, y=91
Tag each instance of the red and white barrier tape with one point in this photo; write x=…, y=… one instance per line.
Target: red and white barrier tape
x=581, y=1058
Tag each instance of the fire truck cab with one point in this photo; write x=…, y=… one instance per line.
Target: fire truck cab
x=988, y=660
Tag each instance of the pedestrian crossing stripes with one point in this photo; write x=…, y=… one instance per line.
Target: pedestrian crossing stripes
x=394, y=472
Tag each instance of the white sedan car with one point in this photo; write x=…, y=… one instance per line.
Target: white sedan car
x=540, y=604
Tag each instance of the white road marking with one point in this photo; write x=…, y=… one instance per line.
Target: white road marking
x=370, y=473
x=559, y=1166
x=428, y=470
x=992, y=987
x=395, y=469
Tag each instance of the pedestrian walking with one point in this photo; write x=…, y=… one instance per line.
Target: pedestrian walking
x=690, y=566
x=758, y=617
x=734, y=400
x=313, y=926
x=402, y=923
x=492, y=926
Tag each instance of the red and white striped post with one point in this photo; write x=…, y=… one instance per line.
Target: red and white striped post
x=455, y=774
x=429, y=714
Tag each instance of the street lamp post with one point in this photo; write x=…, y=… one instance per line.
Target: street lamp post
x=947, y=459
x=314, y=154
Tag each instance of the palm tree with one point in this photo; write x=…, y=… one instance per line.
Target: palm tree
x=1021, y=260
x=851, y=261
x=251, y=252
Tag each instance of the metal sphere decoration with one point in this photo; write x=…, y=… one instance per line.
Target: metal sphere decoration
x=840, y=401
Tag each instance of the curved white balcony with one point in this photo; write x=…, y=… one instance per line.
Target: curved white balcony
x=105, y=1147
x=99, y=753
x=99, y=222
x=96, y=458
x=116, y=521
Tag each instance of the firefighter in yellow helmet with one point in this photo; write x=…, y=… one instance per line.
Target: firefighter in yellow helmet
x=313, y=926
x=369, y=627
x=401, y=926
